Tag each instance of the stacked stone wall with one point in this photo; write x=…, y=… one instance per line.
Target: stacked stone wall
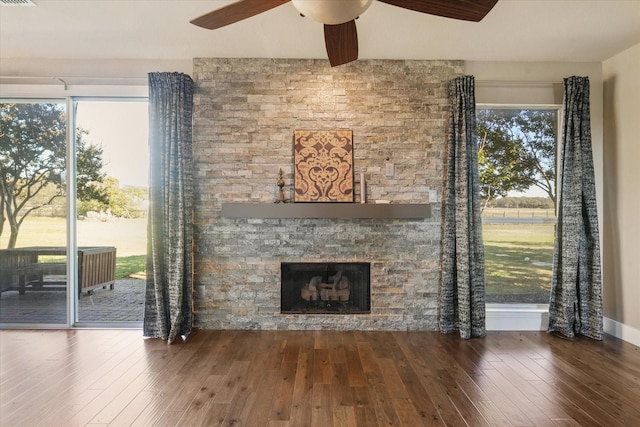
x=246, y=111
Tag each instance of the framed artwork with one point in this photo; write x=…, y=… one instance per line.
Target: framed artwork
x=323, y=166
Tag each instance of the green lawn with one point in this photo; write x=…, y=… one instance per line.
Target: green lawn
x=128, y=265
x=518, y=258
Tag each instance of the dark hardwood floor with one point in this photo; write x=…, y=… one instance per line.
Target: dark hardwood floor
x=315, y=378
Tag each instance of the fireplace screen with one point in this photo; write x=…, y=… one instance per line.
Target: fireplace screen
x=329, y=288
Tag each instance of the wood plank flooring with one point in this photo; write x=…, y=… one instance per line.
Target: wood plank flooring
x=315, y=378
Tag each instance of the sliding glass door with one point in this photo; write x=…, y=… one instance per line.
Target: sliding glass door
x=82, y=192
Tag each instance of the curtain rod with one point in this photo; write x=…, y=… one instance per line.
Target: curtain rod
x=64, y=80
x=518, y=82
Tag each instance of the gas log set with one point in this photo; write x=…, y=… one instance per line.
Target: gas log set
x=331, y=288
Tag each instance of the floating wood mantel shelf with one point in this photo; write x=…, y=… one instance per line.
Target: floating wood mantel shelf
x=325, y=210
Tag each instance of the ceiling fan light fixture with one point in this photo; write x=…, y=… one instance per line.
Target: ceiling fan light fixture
x=331, y=12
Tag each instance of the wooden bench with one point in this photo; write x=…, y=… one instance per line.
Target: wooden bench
x=20, y=269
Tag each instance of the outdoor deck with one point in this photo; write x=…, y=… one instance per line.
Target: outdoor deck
x=125, y=303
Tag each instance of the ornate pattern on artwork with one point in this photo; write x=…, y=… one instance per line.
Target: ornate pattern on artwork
x=323, y=162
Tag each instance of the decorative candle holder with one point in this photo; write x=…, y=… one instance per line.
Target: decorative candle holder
x=281, y=198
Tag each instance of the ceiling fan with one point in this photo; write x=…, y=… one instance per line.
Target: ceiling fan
x=338, y=17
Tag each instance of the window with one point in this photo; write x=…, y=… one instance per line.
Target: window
x=517, y=165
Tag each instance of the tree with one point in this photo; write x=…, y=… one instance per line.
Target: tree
x=516, y=150
x=120, y=203
x=32, y=158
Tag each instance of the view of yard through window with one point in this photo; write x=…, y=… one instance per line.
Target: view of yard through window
x=517, y=155
x=119, y=130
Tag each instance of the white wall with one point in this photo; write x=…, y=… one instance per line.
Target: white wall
x=621, y=260
x=130, y=68
x=40, y=78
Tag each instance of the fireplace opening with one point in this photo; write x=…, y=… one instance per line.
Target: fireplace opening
x=325, y=287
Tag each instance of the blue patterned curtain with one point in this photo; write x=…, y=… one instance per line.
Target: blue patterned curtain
x=169, y=291
x=575, y=306
x=462, y=288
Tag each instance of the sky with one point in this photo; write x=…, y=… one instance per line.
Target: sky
x=531, y=192
x=121, y=128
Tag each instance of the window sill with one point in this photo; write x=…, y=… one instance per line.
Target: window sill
x=517, y=317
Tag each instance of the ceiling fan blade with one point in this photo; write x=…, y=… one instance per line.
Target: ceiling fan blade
x=342, y=42
x=235, y=12
x=467, y=10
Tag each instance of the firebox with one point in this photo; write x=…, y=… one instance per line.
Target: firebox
x=325, y=287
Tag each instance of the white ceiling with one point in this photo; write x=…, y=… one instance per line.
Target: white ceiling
x=515, y=30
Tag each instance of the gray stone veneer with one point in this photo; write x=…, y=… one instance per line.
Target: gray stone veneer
x=246, y=111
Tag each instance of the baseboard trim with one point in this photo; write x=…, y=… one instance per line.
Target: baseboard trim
x=527, y=317
x=622, y=331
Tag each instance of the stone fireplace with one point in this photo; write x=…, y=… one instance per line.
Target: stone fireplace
x=245, y=115
x=325, y=288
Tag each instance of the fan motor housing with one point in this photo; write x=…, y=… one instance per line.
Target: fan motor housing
x=332, y=12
